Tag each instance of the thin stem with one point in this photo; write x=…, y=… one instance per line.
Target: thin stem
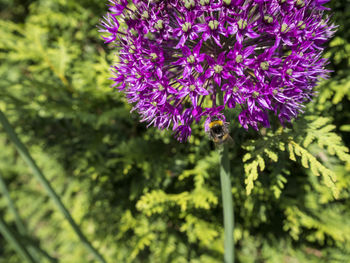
x=227, y=204
x=46, y=185
x=227, y=200
x=3, y=189
x=12, y=239
x=32, y=249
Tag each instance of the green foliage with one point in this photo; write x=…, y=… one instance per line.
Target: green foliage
x=138, y=194
x=306, y=132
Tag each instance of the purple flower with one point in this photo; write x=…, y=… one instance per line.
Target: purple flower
x=186, y=28
x=193, y=88
x=117, y=7
x=191, y=60
x=177, y=56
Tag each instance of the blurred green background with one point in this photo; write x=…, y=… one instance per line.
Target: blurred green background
x=136, y=193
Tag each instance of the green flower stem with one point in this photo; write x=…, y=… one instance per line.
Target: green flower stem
x=32, y=249
x=227, y=203
x=19, y=224
x=17, y=245
x=46, y=185
x=3, y=189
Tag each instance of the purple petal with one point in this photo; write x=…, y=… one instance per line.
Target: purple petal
x=187, y=71
x=181, y=42
x=221, y=58
x=197, y=48
x=217, y=79
x=209, y=73
x=159, y=73
x=199, y=68
x=186, y=51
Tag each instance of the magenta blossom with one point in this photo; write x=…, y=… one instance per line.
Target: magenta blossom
x=177, y=57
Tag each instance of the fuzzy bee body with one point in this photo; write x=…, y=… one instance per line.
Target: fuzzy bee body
x=218, y=131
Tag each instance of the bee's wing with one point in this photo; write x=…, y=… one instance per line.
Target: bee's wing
x=227, y=140
x=230, y=141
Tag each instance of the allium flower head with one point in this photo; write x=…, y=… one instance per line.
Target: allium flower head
x=177, y=57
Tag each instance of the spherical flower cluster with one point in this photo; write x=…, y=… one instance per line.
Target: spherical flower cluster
x=184, y=60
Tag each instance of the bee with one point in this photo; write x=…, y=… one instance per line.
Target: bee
x=218, y=131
